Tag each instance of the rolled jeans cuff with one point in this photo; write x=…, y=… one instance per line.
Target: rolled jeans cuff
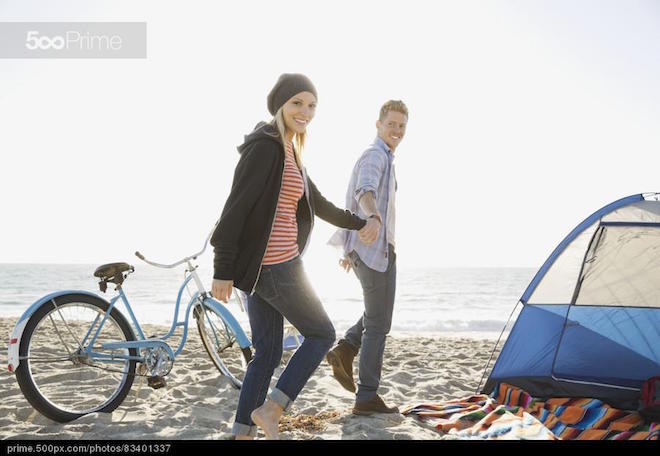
x=280, y=398
x=244, y=429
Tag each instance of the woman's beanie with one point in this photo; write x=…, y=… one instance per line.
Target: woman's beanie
x=287, y=86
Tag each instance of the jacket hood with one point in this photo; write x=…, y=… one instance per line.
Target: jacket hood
x=262, y=130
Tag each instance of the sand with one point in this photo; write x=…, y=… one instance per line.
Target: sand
x=199, y=403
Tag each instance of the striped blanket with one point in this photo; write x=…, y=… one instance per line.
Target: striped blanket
x=511, y=413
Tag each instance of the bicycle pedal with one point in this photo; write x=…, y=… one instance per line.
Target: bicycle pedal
x=156, y=382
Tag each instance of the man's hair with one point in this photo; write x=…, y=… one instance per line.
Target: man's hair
x=393, y=105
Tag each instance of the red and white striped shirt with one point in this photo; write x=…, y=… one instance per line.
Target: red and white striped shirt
x=283, y=241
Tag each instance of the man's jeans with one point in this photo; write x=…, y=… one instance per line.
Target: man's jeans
x=282, y=291
x=369, y=333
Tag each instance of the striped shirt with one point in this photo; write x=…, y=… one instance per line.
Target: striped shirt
x=283, y=241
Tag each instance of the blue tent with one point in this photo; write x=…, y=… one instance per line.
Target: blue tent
x=590, y=319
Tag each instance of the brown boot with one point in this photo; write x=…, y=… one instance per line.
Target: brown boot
x=340, y=359
x=374, y=405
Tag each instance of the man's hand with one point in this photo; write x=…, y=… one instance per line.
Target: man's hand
x=221, y=289
x=345, y=264
x=369, y=232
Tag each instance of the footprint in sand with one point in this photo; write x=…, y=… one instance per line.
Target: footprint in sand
x=30, y=415
x=214, y=381
x=178, y=394
x=457, y=384
x=401, y=378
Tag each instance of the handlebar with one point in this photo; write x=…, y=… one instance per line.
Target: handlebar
x=173, y=265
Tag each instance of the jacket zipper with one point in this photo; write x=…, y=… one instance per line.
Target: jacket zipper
x=254, y=286
x=311, y=213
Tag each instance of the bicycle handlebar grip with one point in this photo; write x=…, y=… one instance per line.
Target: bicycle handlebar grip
x=139, y=255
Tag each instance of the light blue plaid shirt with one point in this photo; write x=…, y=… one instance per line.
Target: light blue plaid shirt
x=373, y=172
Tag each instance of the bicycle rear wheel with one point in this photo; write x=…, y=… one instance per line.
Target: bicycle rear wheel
x=57, y=376
x=221, y=345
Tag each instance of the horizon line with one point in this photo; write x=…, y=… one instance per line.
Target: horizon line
x=400, y=265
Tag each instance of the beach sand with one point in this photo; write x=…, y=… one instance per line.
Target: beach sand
x=198, y=403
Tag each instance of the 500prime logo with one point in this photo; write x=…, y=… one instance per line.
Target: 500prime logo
x=72, y=40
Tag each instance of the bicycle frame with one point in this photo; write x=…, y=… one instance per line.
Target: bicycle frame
x=142, y=342
x=201, y=297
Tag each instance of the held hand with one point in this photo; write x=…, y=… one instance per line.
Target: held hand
x=221, y=289
x=345, y=264
x=369, y=233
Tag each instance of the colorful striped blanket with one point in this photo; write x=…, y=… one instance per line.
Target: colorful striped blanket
x=511, y=413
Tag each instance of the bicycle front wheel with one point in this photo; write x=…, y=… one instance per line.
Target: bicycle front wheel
x=221, y=345
x=64, y=373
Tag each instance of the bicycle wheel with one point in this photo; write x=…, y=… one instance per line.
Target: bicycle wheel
x=56, y=376
x=221, y=345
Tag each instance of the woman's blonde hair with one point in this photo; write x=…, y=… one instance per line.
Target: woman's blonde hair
x=298, y=138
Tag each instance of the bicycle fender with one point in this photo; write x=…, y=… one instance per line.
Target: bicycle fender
x=241, y=337
x=17, y=333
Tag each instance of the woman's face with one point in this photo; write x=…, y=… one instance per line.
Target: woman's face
x=299, y=111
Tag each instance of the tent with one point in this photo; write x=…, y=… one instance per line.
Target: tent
x=590, y=319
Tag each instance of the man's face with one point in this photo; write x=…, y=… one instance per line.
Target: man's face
x=392, y=128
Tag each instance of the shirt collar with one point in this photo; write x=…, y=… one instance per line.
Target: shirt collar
x=382, y=145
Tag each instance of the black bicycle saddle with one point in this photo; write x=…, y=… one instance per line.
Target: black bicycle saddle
x=111, y=270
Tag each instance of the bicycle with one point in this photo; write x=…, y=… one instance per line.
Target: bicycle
x=75, y=353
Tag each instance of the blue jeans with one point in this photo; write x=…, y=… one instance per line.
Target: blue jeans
x=369, y=333
x=282, y=291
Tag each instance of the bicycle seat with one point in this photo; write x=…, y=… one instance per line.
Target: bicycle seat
x=111, y=270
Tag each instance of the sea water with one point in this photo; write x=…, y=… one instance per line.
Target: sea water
x=464, y=301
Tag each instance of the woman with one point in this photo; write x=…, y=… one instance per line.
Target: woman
x=264, y=229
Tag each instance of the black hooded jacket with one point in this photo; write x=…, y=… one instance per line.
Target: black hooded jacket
x=241, y=235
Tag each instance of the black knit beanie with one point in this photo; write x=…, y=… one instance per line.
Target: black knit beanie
x=287, y=86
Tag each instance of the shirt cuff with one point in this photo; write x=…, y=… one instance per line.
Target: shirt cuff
x=362, y=191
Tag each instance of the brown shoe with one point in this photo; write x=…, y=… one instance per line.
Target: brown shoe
x=374, y=405
x=340, y=359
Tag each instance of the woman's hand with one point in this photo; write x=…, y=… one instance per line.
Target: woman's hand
x=221, y=289
x=369, y=232
x=345, y=264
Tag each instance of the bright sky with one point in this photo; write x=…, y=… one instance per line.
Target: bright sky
x=525, y=117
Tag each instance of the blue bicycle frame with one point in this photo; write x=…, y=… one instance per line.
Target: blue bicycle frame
x=201, y=298
x=144, y=343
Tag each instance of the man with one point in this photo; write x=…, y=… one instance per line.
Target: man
x=371, y=194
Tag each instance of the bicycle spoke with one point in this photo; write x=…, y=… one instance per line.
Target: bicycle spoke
x=221, y=345
x=75, y=338
x=226, y=334
x=60, y=335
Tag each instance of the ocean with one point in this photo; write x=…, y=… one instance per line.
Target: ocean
x=464, y=301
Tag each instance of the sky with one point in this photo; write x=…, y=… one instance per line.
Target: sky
x=525, y=117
